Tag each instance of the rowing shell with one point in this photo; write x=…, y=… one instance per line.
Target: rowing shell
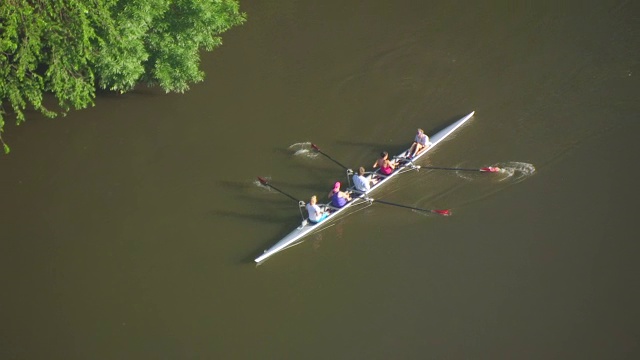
x=307, y=227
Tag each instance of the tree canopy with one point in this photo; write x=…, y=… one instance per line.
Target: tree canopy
x=70, y=48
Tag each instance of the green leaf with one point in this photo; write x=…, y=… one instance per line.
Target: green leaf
x=70, y=48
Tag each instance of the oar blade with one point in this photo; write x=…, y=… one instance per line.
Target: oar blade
x=315, y=147
x=263, y=181
x=490, y=169
x=442, y=212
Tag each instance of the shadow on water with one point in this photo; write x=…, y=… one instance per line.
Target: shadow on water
x=283, y=151
x=288, y=221
x=313, y=161
x=287, y=226
x=264, y=217
x=277, y=202
x=243, y=187
x=327, y=167
x=374, y=148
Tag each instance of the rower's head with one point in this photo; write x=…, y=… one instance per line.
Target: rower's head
x=313, y=200
x=336, y=186
x=420, y=131
x=361, y=170
x=384, y=155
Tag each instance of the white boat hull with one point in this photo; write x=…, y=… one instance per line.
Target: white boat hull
x=306, y=227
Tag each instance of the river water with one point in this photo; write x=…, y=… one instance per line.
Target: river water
x=128, y=230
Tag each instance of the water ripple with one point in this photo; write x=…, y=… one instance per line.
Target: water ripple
x=303, y=149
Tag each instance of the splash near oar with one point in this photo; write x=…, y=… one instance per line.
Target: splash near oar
x=303, y=149
x=516, y=170
x=491, y=169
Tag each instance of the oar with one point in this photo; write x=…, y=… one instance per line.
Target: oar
x=301, y=204
x=328, y=157
x=484, y=169
x=441, y=212
x=264, y=182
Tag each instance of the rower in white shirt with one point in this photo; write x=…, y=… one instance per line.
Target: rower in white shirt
x=316, y=214
x=420, y=143
x=361, y=182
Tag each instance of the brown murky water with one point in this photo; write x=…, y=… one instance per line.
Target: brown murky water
x=128, y=230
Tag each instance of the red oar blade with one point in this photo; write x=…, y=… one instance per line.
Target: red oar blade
x=490, y=169
x=442, y=212
x=315, y=147
x=263, y=181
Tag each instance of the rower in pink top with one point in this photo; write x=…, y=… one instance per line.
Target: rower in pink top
x=386, y=166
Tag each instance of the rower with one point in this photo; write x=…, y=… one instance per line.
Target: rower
x=316, y=214
x=386, y=166
x=338, y=198
x=361, y=182
x=420, y=143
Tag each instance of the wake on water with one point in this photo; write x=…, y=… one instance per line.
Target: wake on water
x=474, y=186
x=511, y=171
x=515, y=171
